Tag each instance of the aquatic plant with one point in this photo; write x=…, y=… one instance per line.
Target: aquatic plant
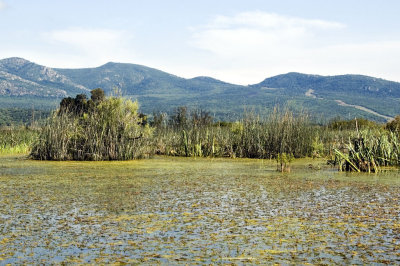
x=110, y=129
x=283, y=161
x=254, y=136
x=368, y=151
x=173, y=211
x=17, y=140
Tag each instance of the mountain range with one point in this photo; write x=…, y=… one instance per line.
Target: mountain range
x=24, y=84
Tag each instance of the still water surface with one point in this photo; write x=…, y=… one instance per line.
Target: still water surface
x=178, y=211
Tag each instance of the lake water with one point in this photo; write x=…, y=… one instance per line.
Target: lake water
x=178, y=210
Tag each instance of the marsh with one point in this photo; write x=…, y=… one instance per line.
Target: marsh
x=195, y=210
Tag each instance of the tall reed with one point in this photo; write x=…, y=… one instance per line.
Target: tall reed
x=110, y=130
x=194, y=134
x=368, y=151
x=16, y=140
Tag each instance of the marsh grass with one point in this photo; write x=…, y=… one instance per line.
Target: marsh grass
x=254, y=136
x=368, y=151
x=112, y=129
x=17, y=140
x=281, y=136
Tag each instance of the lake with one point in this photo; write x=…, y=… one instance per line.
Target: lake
x=173, y=210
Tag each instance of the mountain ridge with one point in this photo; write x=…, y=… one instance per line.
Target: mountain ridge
x=295, y=80
x=23, y=82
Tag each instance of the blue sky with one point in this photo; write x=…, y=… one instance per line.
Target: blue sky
x=235, y=41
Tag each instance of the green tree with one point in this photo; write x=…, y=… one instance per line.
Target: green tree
x=97, y=96
x=394, y=125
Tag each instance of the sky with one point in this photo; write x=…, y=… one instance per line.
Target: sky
x=240, y=42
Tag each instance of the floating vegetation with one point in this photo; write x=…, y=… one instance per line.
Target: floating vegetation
x=171, y=210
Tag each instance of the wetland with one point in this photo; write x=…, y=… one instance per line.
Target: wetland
x=174, y=210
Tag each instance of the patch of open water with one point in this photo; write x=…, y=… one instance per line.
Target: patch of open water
x=178, y=210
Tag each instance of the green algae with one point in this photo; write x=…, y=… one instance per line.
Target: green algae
x=199, y=211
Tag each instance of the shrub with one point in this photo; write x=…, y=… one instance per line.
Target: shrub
x=106, y=129
x=394, y=125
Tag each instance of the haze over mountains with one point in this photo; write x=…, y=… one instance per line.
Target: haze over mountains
x=25, y=84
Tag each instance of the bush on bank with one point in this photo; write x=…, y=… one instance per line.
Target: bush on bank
x=102, y=128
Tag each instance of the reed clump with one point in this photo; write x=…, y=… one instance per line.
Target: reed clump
x=279, y=133
x=17, y=140
x=368, y=151
x=99, y=129
x=195, y=133
x=187, y=133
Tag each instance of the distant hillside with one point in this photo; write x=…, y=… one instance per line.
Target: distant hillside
x=378, y=97
x=322, y=85
x=19, y=77
x=24, y=84
x=136, y=79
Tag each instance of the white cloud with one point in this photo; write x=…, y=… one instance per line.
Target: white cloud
x=80, y=46
x=3, y=5
x=248, y=34
x=265, y=20
x=248, y=47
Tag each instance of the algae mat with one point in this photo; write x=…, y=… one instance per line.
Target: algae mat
x=168, y=210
